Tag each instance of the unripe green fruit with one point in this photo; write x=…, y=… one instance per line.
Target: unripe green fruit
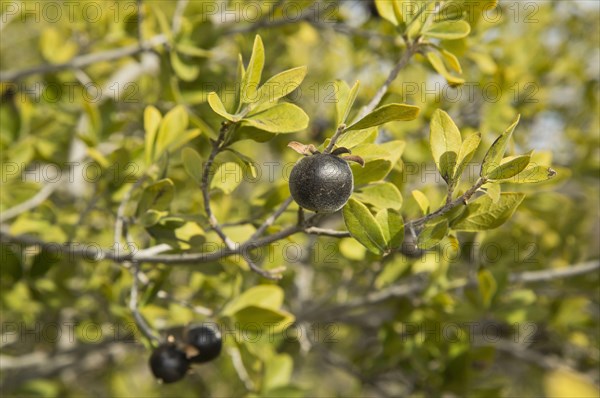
x=206, y=341
x=321, y=183
x=168, y=363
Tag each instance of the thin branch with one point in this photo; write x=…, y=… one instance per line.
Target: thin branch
x=461, y=200
x=120, y=218
x=29, y=204
x=419, y=283
x=548, y=275
x=84, y=60
x=334, y=360
x=327, y=232
x=197, y=309
x=240, y=369
x=271, y=219
x=212, y=219
x=340, y=130
x=411, y=49
x=133, y=307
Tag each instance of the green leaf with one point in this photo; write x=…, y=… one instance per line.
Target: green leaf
x=156, y=196
x=217, y=106
x=448, y=30
x=437, y=64
x=172, y=125
x=42, y=263
x=495, y=154
x=487, y=286
x=379, y=161
x=192, y=163
x=344, y=99
x=182, y=139
x=357, y=137
x=465, y=154
x=278, y=372
x=510, y=167
x=483, y=214
x=384, y=114
x=151, y=217
x=191, y=50
x=264, y=296
x=432, y=234
x=152, y=118
x=392, y=226
x=421, y=200
x=445, y=142
x=363, y=226
x=259, y=319
x=532, y=174
x=227, y=177
x=246, y=161
x=280, y=85
x=381, y=196
x=282, y=118
x=184, y=71
x=245, y=132
x=56, y=45
x=251, y=79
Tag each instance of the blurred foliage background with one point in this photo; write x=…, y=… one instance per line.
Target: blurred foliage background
x=85, y=123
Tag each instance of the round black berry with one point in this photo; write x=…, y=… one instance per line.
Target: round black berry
x=204, y=343
x=321, y=183
x=168, y=363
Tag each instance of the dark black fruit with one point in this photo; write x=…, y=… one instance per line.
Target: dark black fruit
x=321, y=183
x=168, y=363
x=204, y=343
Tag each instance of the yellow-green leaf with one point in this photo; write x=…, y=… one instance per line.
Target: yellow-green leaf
x=465, y=154
x=563, y=383
x=227, y=177
x=421, y=200
x=282, y=118
x=510, y=167
x=152, y=118
x=192, y=163
x=363, y=226
x=494, y=155
x=385, y=8
x=483, y=213
x=184, y=71
x=217, y=106
x=533, y=174
x=157, y=196
x=281, y=85
x=392, y=226
x=251, y=80
x=451, y=60
x=344, y=99
x=448, y=30
x=445, y=142
x=172, y=125
x=432, y=234
x=437, y=64
x=264, y=296
x=381, y=196
x=487, y=287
